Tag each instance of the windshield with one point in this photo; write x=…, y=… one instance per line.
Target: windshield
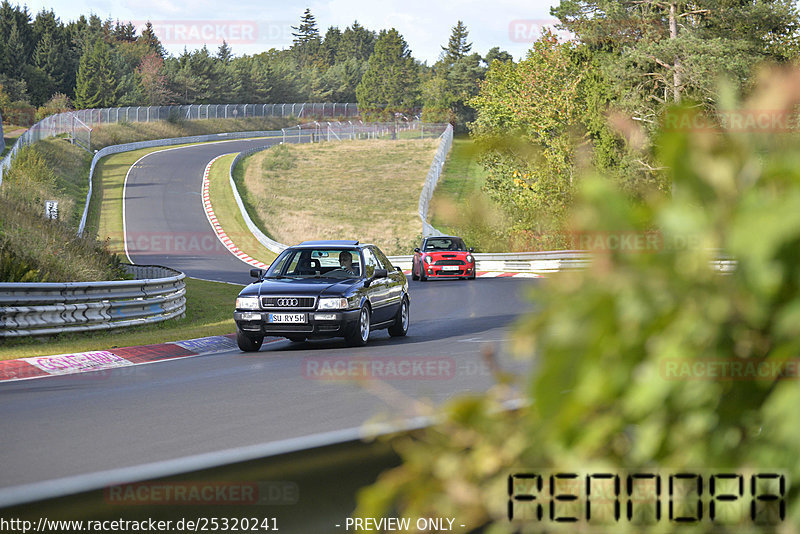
x=316, y=263
x=445, y=243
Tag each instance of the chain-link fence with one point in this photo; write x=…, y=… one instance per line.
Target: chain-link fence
x=77, y=125
x=432, y=179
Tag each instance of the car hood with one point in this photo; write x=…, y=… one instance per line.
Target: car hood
x=299, y=287
x=447, y=254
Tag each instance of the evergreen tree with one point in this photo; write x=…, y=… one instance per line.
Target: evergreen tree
x=330, y=46
x=307, y=42
x=96, y=82
x=457, y=47
x=357, y=42
x=224, y=53
x=391, y=81
x=151, y=40
x=496, y=54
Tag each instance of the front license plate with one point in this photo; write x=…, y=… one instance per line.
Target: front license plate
x=450, y=268
x=287, y=318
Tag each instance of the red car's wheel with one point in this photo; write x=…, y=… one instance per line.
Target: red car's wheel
x=414, y=275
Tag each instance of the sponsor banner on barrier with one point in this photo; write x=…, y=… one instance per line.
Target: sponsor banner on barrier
x=79, y=362
x=208, y=344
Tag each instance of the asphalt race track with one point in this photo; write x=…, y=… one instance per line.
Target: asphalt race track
x=62, y=426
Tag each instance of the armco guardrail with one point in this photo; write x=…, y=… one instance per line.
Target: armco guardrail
x=78, y=124
x=328, y=131
x=157, y=294
x=522, y=262
x=432, y=179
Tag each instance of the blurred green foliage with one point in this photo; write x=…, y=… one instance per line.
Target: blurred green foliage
x=599, y=395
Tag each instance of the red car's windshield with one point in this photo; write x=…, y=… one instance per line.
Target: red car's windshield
x=444, y=243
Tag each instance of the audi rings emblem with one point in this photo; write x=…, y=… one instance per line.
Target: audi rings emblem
x=288, y=302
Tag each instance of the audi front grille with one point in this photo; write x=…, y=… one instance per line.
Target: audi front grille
x=289, y=302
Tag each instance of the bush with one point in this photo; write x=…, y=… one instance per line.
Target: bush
x=601, y=396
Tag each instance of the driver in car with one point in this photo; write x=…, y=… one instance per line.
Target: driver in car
x=346, y=261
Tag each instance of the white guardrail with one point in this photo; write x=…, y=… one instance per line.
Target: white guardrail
x=157, y=294
x=337, y=131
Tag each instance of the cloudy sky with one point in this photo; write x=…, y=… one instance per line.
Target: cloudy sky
x=254, y=26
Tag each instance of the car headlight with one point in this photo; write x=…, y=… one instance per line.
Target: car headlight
x=332, y=304
x=469, y=258
x=247, y=303
x=428, y=259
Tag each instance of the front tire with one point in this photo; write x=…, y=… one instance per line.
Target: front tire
x=403, y=318
x=247, y=343
x=359, y=334
x=414, y=272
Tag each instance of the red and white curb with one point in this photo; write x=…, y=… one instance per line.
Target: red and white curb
x=106, y=360
x=497, y=274
x=212, y=219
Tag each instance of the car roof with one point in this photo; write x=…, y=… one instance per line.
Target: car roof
x=329, y=243
x=443, y=237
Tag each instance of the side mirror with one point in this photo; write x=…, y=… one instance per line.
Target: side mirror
x=417, y=250
x=379, y=273
x=471, y=250
x=256, y=273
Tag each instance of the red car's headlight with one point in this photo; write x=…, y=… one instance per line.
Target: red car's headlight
x=428, y=259
x=470, y=259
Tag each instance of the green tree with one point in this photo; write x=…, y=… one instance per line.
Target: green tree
x=307, y=41
x=97, y=82
x=527, y=117
x=149, y=39
x=457, y=47
x=391, y=81
x=357, y=42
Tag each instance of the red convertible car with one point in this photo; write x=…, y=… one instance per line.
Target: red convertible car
x=443, y=257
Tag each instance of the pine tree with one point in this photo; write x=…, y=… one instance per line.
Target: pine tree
x=357, y=42
x=97, y=82
x=224, y=53
x=457, y=47
x=151, y=40
x=391, y=81
x=307, y=42
x=307, y=31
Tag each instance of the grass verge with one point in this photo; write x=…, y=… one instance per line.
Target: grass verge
x=228, y=214
x=209, y=312
x=459, y=205
x=365, y=190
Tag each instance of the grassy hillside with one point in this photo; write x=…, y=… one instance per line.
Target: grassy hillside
x=366, y=190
